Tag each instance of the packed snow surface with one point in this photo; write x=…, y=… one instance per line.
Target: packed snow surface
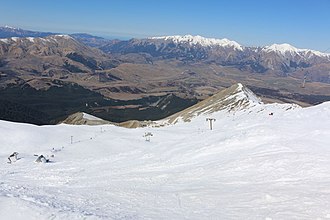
x=252, y=165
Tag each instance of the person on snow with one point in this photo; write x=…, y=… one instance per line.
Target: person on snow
x=13, y=157
x=42, y=159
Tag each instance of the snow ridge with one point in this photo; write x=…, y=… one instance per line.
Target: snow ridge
x=32, y=39
x=232, y=99
x=65, y=36
x=285, y=49
x=90, y=117
x=9, y=27
x=199, y=40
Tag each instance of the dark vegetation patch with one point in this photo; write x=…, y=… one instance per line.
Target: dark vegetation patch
x=56, y=102
x=108, y=77
x=254, y=67
x=10, y=111
x=272, y=93
x=150, y=108
x=3, y=62
x=89, y=62
x=72, y=68
x=25, y=104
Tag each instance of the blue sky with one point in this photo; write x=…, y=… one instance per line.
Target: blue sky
x=302, y=23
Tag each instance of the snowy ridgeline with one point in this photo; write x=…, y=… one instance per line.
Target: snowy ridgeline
x=281, y=49
x=90, y=117
x=252, y=165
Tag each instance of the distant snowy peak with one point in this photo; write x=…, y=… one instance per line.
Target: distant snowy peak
x=199, y=40
x=65, y=36
x=13, y=28
x=287, y=49
x=33, y=39
x=281, y=48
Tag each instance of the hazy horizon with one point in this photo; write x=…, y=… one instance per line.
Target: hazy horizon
x=302, y=24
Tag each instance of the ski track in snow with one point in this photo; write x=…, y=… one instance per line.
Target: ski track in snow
x=251, y=166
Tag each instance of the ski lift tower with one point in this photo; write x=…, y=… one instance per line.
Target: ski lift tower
x=147, y=135
x=304, y=81
x=211, y=120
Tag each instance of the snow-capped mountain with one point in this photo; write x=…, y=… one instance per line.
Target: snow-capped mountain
x=45, y=46
x=50, y=38
x=279, y=59
x=50, y=53
x=270, y=161
x=7, y=31
x=199, y=40
x=289, y=50
x=285, y=58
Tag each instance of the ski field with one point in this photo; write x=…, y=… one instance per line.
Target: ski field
x=252, y=165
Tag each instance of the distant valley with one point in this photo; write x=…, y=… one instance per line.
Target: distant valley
x=120, y=80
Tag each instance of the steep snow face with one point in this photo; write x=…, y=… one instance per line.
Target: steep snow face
x=252, y=165
x=199, y=40
x=90, y=117
x=245, y=93
x=287, y=49
x=81, y=118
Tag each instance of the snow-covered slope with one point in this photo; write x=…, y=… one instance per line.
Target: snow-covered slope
x=252, y=165
x=199, y=40
x=234, y=98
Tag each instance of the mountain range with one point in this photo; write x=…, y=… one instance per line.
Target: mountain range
x=278, y=59
x=8, y=31
x=189, y=67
